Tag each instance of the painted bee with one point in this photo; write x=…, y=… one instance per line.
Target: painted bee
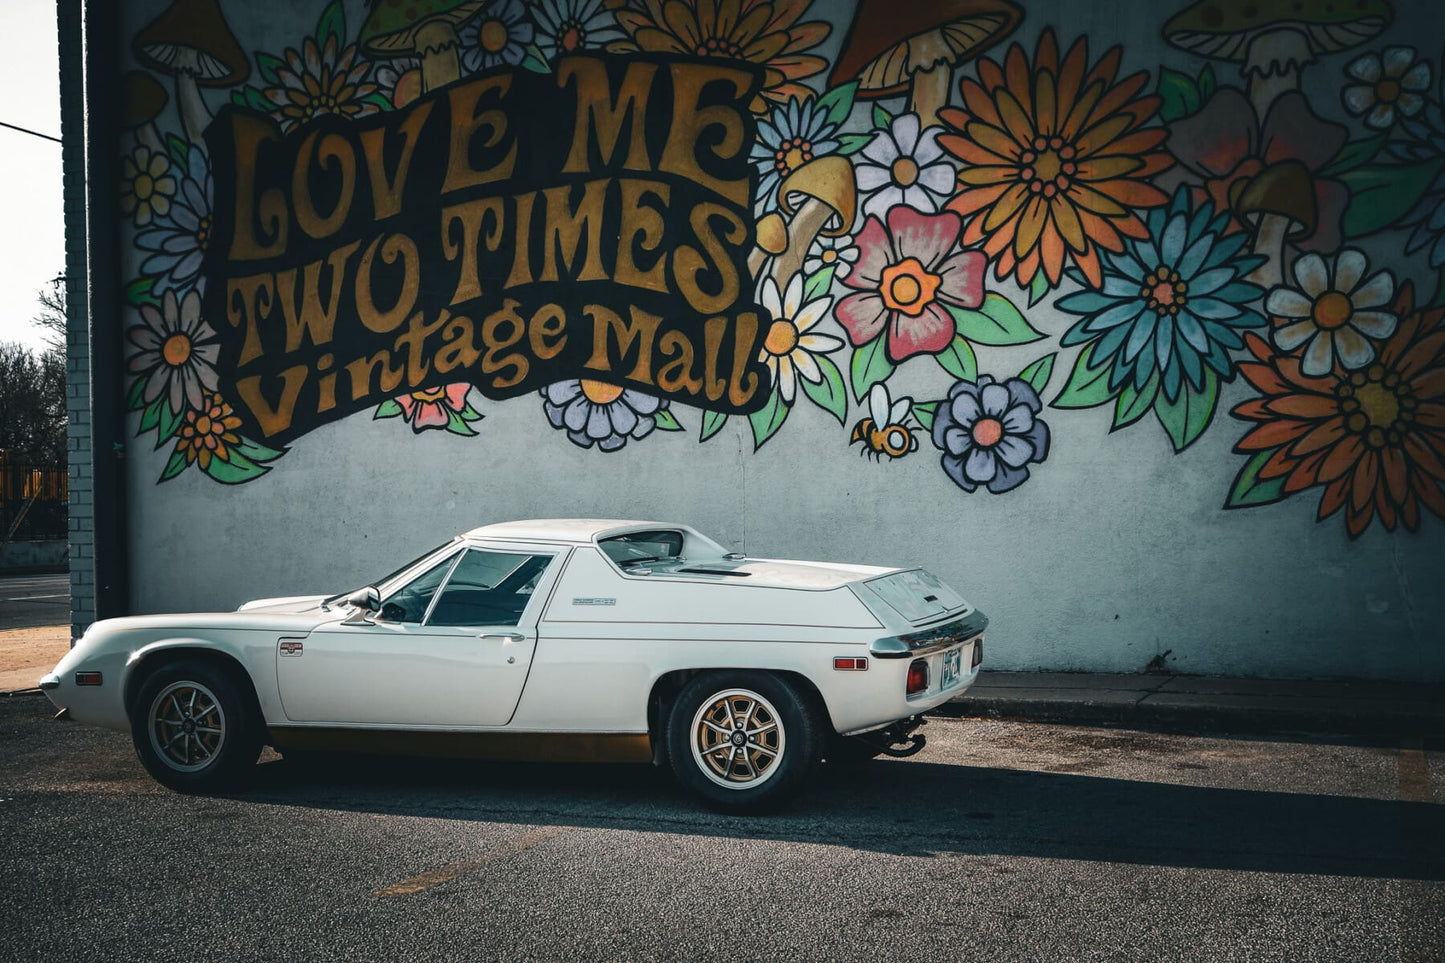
x=887, y=431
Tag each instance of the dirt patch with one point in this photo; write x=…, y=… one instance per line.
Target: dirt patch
x=27, y=654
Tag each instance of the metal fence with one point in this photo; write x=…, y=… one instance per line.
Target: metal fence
x=34, y=502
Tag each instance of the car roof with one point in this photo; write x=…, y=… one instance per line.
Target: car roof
x=578, y=531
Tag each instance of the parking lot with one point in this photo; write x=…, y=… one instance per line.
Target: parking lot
x=1000, y=841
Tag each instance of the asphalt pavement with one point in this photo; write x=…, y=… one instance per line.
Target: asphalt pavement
x=1000, y=841
x=29, y=601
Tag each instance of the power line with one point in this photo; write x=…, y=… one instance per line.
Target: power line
x=33, y=133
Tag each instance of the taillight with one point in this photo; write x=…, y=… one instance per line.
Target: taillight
x=917, y=676
x=977, y=653
x=87, y=678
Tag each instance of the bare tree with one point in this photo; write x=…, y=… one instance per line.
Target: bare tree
x=51, y=318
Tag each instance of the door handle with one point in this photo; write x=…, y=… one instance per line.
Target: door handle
x=507, y=637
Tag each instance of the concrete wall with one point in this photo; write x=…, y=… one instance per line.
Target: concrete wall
x=31, y=556
x=965, y=359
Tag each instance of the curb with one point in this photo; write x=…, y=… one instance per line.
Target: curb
x=1251, y=720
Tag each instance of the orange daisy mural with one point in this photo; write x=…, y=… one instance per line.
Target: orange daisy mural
x=759, y=32
x=1057, y=159
x=1374, y=438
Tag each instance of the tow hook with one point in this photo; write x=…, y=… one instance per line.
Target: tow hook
x=902, y=739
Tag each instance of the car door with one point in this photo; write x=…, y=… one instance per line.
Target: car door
x=450, y=647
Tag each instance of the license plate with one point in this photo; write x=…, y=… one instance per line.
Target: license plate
x=952, y=663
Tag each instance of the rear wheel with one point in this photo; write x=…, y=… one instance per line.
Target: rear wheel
x=742, y=741
x=193, y=727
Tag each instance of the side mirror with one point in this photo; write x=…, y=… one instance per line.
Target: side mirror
x=363, y=602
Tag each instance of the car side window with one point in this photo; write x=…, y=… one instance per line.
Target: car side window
x=409, y=603
x=489, y=588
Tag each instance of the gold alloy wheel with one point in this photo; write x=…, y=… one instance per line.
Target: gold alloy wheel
x=738, y=739
x=187, y=726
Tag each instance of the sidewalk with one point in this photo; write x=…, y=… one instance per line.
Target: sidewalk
x=1198, y=702
x=27, y=654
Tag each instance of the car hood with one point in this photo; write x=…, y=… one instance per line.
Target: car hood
x=261, y=620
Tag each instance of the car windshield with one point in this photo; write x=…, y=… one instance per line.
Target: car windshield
x=637, y=547
x=387, y=578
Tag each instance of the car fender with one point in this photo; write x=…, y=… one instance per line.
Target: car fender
x=253, y=654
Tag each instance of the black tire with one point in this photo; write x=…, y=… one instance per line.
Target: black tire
x=851, y=750
x=786, y=740
x=200, y=706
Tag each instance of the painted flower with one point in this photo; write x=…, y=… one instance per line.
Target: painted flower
x=1334, y=311
x=902, y=165
x=435, y=407
x=594, y=412
x=208, y=432
x=316, y=81
x=1171, y=303
x=788, y=349
x=1427, y=216
x=990, y=433
x=793, y=134
x=496, y=36
x=1058, y=160
x=906, y=279
x=146, y=184
x=1390, y=82
x=839, y=253
x=569, y=26
x=1374, y=438
x=1254, y=169
x=760, y=32
x=177, y=241
x=176, y=351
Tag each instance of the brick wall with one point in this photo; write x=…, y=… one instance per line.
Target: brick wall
x=77, y=391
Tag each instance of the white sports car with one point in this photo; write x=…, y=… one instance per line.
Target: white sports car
x=557, y=640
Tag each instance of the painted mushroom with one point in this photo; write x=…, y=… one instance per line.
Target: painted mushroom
x=142, y=100
x=894, y=47
x=425, y=28
x=1280, y=203
x=191, y=42
x=1274, y=40
x=820, y=198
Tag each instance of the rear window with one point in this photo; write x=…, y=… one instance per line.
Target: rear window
x=916, y=595
x=635, y=548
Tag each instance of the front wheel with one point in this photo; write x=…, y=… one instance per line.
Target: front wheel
x=193, y=728
x=742, y=741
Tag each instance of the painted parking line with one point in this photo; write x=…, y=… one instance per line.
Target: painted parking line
x=451, y=871
x=1413, y=772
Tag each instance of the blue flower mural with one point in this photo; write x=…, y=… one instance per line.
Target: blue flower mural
x=990, y=433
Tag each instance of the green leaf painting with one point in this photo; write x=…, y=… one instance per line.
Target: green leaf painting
x=1086, y=386
x=829, y=394
x=997, y=322
x=816, y=285
x=667, y=422
x=1038, y=373
x=1380, y=196
x=712, y=422
x=1185, y=418
x=767, y=420
x=1133, y=403
x=925, y=412
x=958, y=360
x=869, y=366
x=1249, y=490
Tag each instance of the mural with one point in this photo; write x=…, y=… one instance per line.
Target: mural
x=653, y=216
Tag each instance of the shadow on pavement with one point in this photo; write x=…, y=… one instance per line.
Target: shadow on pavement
x=914, y=809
